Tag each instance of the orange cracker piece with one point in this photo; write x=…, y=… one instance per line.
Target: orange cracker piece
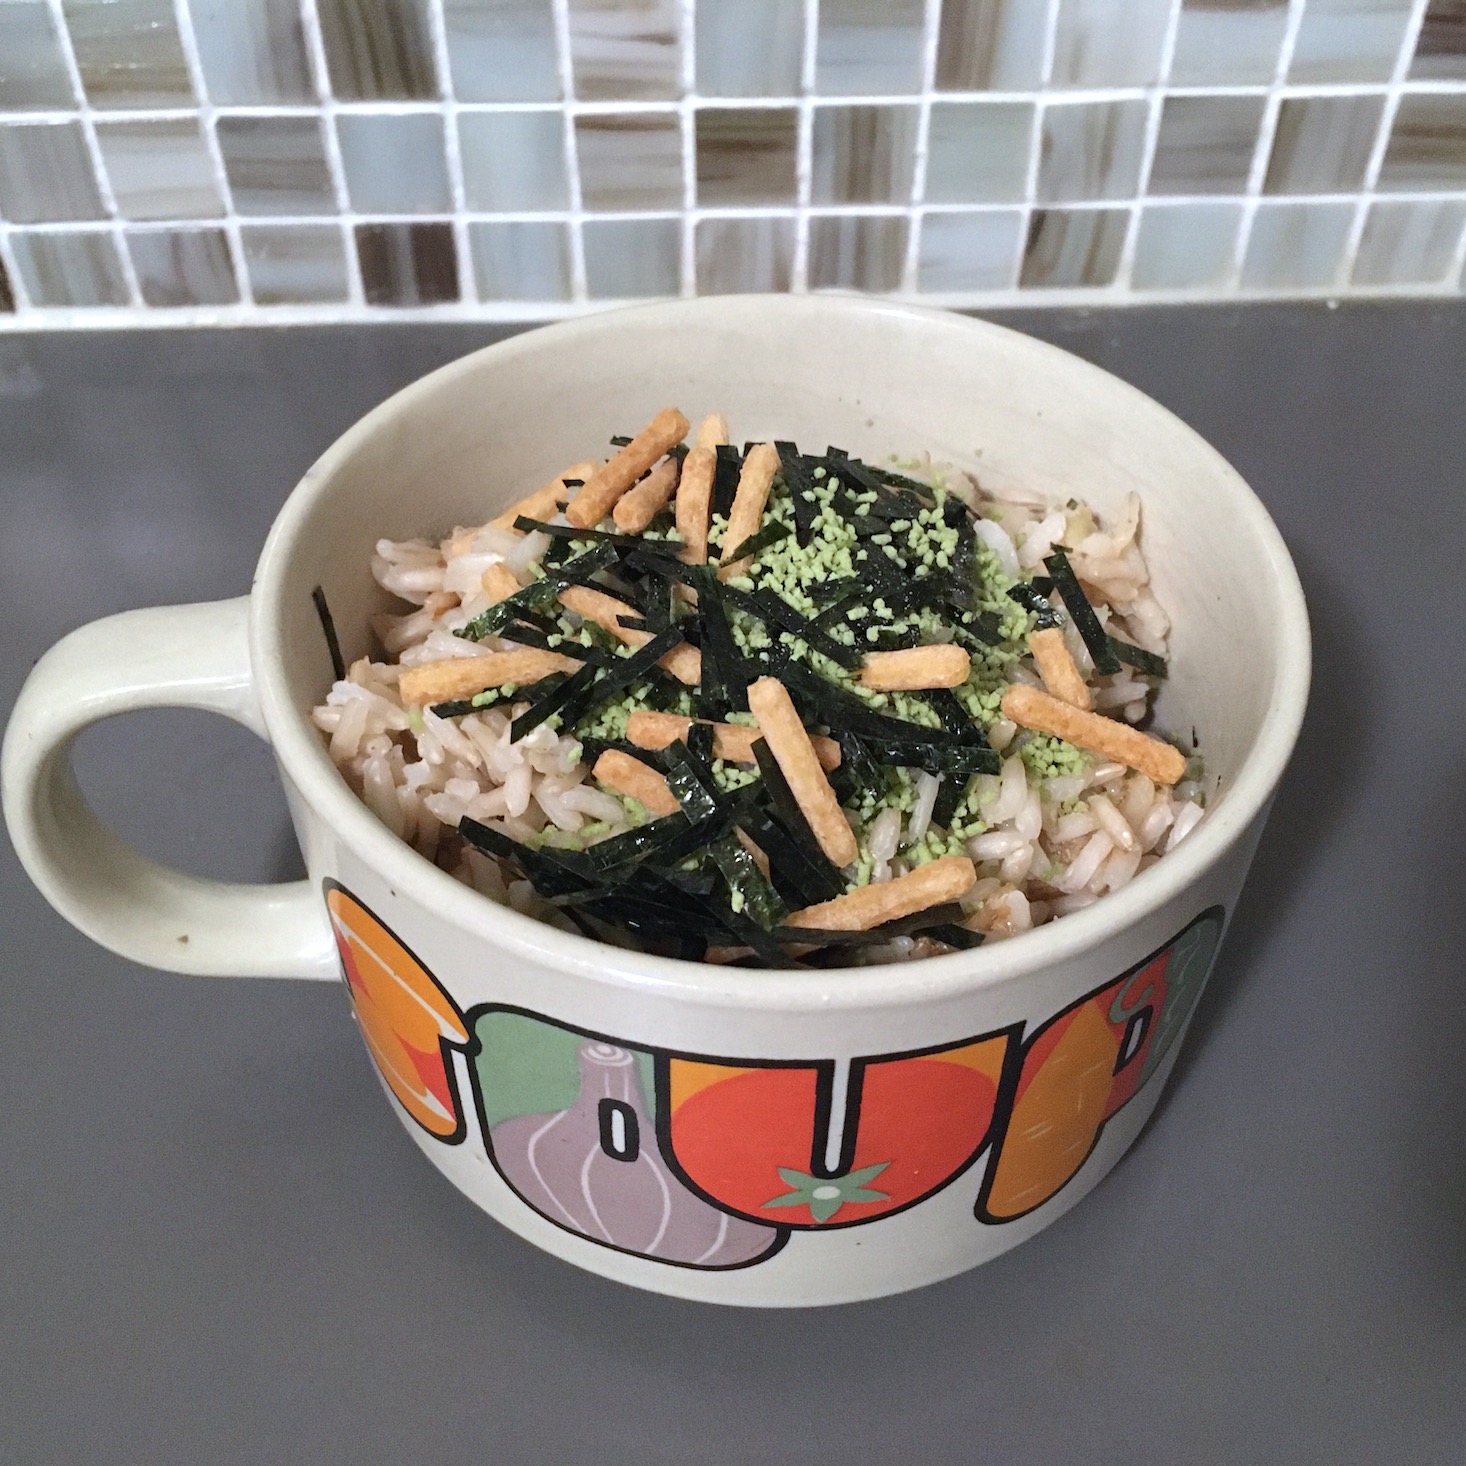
x=712, y=431
x=544, y=502
x=460, y=677
x=747, y=512
x=916, y=667
x=440, y=602
x=732, y=742
x=640, y=505
x=683, y=662
x=599, y=493
x=1030, y=708
x=694, y=504
x=870, y=906
x=636, y=780
x=1057, y=667
x=499, y=581
x=779, y=723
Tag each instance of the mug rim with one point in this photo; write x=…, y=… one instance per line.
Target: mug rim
x=304, y=758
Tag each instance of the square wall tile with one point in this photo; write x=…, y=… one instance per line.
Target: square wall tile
x=1073, y=248
x=397, y=164
x=857, y=252
x=1231, y=42
x=295, y=264
x=407, y=264
x=738, y=256
x=630, y=258
x=129, y=53
x=1409, y=242
x=379, y=50
x=1440, y=53
x=749, y=48
x=746, y=155
x=46, y=174
x=1323, y=144
x=978, y=152
x=276, y=165
x=160, y=170
x=1101, y=44
x=32, y=72
x=863, y=155
x=177, y=267
x=520, y=261
x=513, y=160
x=1205, y=145
x=629, y=160
x=502, y=52
x=1297, y=246
x=1185, y=246
x=1427, y=147
x=869, y=47
x=626, y=50
x=1349, y=40
x=990, y=45
x=252, y=51
x=1091, y=150
x=70, y=268
x=960, y=252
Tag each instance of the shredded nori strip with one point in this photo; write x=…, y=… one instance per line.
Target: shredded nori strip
x=1082, y=613
x=948, y=912
x=459, y=708
x=747, y=881
x=328, y=629
x=798, y=474
x=1143, y=661
x=725, y=479
x=800, y=879
x=691, y=782
x=949, y=797
x=757, y=543
x=563, y=699
x=773, y=610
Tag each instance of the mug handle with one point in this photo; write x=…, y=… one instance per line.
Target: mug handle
x=169, y=656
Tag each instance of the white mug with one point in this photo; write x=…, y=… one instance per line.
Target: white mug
x=735, y=1136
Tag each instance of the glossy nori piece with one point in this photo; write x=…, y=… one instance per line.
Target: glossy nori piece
x=769, y=534
x=690, y=781
x=773, y=610
x=1032, y=599
x=747, y=881
x=798, y=878
x=817, y=869
x=798, y=472
x=538, y=595
x=949, y=797
x=724, y=685
x=564, y=697
x=1082, y=613
x=725, y=478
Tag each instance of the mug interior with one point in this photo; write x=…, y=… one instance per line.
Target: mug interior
x=878, y=380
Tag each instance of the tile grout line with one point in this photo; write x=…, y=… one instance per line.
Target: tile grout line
x=1266, y=136
x=86, y=116
x=1349, y=255
x=315, y=49
x=687, y=136
x=565, y=68
x=804, y=154
x=1035, y=145
x=931, y=32
x=208, y=129
x=452, y=152
x=1126, y=264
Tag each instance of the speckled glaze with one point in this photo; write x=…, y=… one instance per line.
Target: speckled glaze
x=727, y=1135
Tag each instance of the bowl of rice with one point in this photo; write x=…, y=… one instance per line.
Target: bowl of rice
x=774, y=774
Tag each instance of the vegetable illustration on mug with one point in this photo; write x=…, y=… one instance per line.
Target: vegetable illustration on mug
x=713, y=1162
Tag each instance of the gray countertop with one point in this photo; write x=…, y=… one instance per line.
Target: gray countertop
x=217, y=1244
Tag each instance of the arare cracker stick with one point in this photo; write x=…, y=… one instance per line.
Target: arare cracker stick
x=711, y=431
x=1030, y=708
x=694, y=504
x=754, y=482
x=599, y=493
x=683, y=662
x=916, y=667
x=543, y=504
x=1057, y=667
x=640, y=504
x=785, y=735
x=636, y=780
x=460, y=677
x=932, y=884
x=499, y=582
x=732, y=742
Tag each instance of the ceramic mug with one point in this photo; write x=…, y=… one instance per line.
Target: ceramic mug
x=737, y=1136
